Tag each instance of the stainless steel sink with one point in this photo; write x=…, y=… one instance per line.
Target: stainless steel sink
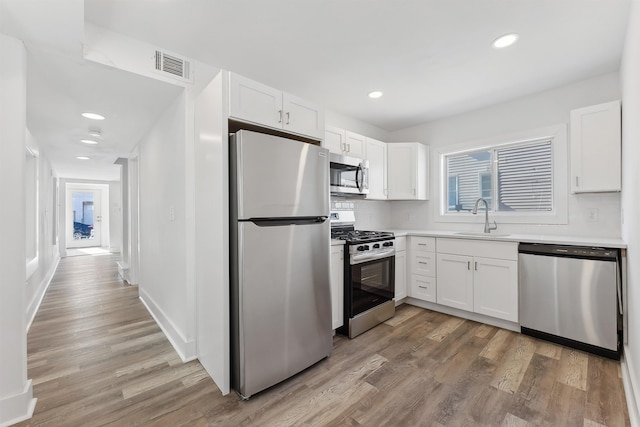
x=480, y=234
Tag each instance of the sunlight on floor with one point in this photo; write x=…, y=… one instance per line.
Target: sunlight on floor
x=87, y=251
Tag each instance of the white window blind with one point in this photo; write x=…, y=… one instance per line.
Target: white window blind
x=525, y=177
x=518, y=177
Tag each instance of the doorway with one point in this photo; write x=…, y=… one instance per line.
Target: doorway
x=86, y=218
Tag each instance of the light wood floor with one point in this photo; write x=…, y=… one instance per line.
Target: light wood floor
x=97, y=358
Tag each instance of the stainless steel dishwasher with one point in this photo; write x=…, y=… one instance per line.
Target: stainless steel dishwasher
x=570, y=295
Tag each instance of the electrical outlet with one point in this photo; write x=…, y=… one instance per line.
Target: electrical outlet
x=592, y=215
x=172, y=213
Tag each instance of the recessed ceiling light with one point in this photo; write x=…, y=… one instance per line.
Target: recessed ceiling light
x=89, y=141
x=375, y=94
x=83, y=158
x=93, y=116
x=505, y=40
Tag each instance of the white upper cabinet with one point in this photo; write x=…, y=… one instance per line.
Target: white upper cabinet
x=344, y=142
x=334, y=139
x=376, y=154
x=254, y=102
x=407, y=171
x=355, y=145
x=596, y=148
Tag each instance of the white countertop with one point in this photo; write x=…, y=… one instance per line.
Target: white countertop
x=335, y=242
x=530, y=238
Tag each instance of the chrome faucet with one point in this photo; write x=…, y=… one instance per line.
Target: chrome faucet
x=487, y=227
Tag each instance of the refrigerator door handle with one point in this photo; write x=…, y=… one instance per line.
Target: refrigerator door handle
x=276, y=222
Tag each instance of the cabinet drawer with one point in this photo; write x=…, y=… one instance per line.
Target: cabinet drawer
x=401, y=243
x=422, y=244
x=424, y=263
x=423, y=288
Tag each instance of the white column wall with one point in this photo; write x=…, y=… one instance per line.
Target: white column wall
x=16, y=396
x=630, y=78
x=163, y=279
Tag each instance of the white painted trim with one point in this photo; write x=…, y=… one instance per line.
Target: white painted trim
x=18, y=407
x=631, y=391
x=185, y=349
x=504, y=324
x=35, y=302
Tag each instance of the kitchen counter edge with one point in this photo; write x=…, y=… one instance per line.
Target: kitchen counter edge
x=555, y=240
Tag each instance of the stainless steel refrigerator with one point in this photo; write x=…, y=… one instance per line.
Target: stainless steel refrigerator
x=280, y=248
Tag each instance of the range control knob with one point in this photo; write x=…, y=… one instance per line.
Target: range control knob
x=362, y=248
x=376, y=246
x=387, y=244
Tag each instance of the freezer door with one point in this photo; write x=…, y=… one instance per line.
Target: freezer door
x=273, y=177
x=284, y=302
x=570, y=298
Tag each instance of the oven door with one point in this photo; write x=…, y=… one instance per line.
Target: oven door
x=371, y=283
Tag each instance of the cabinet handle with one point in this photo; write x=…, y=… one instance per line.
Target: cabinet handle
x=280, y=114
x=422, y=244
x=476, y=266
x=422, y=262
x=577, y=181
x=288, y=117
x=468, y=265
x=414, y=191
x=422, y=287
x=348, y=148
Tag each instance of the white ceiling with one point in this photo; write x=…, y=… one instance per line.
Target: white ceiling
x=431, y=58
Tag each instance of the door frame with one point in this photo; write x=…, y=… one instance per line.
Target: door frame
x=65, y=216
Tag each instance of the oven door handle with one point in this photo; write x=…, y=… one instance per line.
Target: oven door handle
x=360, y=258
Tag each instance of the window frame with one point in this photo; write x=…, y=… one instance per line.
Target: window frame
x=559, y=147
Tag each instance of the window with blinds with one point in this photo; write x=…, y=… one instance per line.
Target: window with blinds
x=511, y=178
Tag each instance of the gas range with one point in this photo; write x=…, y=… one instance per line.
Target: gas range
x=360, y=242
x=369, y=274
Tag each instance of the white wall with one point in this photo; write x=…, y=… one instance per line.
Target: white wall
x=16, y=395
x=630, y=76
x=211, y=220
x=333, y=118
x=48, y=255
x=163, y=226
x=537, y=111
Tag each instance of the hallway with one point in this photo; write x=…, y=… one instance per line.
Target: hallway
x=96, y=356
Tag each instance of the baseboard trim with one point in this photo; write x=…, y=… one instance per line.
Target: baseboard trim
x=18, y=407
x=504, y=324
x=186, y=349
x=630, y=388
x=34, y=305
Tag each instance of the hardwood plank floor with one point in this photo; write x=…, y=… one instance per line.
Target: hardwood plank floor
x=96, y=358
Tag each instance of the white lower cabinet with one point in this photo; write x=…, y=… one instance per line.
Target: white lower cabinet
x=495, y=284
x=422, y=268
x=455, y=281
x=401, y=269
x=337, y=285
x=466, y=280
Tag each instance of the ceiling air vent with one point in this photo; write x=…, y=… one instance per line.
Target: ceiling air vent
x=172, y=65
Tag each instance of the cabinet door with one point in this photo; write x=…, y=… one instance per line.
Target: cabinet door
x=401, y=172
x=596, y=148
x=302, y=117
x=337, y=285
x=495, y=288
x=401, y=275
x=455, y=281
x=376, y=154
x=334, y=139
x=423, y=288
x=254, y=102
x=355, y=145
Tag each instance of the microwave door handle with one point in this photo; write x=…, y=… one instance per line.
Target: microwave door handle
x=360, y=181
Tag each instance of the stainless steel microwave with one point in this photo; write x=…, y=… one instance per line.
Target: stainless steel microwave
x=348, y=175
